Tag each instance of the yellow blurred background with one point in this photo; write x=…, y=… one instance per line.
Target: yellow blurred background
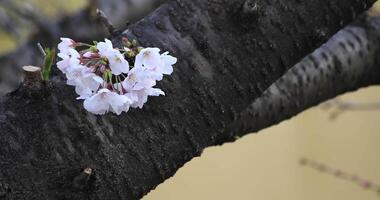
x=266, y=165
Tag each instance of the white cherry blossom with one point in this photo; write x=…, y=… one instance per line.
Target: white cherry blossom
x=168, y=62
x=66, y=45
x=71, y=58
x=139, y=85
x=141, y=96
x=157, y=64
x=85, y=82
x=105, y=101
x=116, y=60
x=121, y=87
x=149, y=58
x=138, y=78
x=88, y=85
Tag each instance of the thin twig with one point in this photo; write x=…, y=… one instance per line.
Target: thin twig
x=338, y=173
x=107, y=23
x=41, y=49
x=343, y=106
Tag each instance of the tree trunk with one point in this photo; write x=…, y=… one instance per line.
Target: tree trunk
x=229, y=53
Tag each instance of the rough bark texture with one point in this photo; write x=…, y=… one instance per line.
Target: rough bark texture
x=348, y=61
x=227, y=58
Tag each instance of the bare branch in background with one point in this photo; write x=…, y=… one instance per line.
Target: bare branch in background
x=341, y=174
x=338, y=107
x=107, y=23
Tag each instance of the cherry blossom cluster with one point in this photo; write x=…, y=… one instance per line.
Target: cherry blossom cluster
x=104, y=78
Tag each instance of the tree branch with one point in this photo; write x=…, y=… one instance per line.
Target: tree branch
x=107, y=23
x=347, y=62
x=338, y=107
x=47, y=139
x=341, y=174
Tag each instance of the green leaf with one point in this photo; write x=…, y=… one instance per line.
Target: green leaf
x=48, y=63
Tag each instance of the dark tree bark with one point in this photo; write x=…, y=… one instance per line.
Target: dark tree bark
x=347, y=62
x=229, y=53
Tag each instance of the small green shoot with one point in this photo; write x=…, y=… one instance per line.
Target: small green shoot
x=48, y=62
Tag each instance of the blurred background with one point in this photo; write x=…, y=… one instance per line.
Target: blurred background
x=24, y=23
x=262, y=166
x=266, y=165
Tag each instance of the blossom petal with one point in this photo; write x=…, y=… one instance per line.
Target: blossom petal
x=65, y=45
x=98, y=104
x=149, y=58
x=117, y=61
x=119, y=103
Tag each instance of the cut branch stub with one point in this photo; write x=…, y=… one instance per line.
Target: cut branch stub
x=83, y=179
x=32, y=77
